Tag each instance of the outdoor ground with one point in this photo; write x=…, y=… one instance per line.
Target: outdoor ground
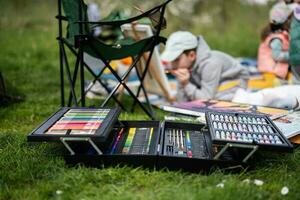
x=30, y=65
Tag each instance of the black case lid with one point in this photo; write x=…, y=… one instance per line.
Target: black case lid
x=241, y=128
x=100, y=135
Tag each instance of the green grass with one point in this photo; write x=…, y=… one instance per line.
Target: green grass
x=29, y=62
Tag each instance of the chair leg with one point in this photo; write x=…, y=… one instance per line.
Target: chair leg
x=97, y=78
x=71, y=81
x=60, y=43
x=111, y=94
x=71, y=97
x=130, y=93
x=145, y=94
x=82, y=77
x=141, y=87
x=61, y=69
x=149, y=112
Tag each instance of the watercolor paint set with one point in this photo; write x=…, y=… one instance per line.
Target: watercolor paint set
x=245, y=128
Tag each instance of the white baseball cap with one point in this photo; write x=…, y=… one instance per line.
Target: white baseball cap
x=280, y=12
x=177, y=43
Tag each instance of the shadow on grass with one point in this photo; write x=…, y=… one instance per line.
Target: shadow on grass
x=6, y=99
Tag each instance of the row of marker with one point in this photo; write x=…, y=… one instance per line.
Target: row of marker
x=243, y=127
x=260, y=138
x=238, y=119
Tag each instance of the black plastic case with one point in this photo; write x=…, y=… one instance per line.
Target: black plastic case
x=155, y=144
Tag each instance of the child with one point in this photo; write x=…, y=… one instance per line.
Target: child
x=273, y=53
x=294, y=50
x=202, y=73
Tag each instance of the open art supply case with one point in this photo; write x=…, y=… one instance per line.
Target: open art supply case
x=95, y=137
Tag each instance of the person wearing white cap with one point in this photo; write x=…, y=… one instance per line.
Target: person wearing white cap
x=273, y=52
x=202, y=73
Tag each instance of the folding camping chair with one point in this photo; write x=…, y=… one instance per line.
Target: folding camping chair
x=79, y=40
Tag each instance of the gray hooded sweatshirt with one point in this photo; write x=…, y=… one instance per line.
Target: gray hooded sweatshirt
x=210, y=70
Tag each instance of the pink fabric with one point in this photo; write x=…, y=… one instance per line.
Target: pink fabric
x=265, y=61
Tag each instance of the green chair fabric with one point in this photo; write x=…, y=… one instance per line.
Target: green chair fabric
x=122, y=49
x=71, y=9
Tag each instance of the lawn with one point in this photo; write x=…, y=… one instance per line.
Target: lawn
x=30, y=65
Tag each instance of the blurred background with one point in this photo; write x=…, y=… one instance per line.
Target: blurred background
x=232, y=26
x=29, y=58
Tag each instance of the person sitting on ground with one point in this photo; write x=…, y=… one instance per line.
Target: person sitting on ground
x=202, y=73
x=273, y=52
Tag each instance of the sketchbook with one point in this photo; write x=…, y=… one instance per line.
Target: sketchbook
x=289, y=124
